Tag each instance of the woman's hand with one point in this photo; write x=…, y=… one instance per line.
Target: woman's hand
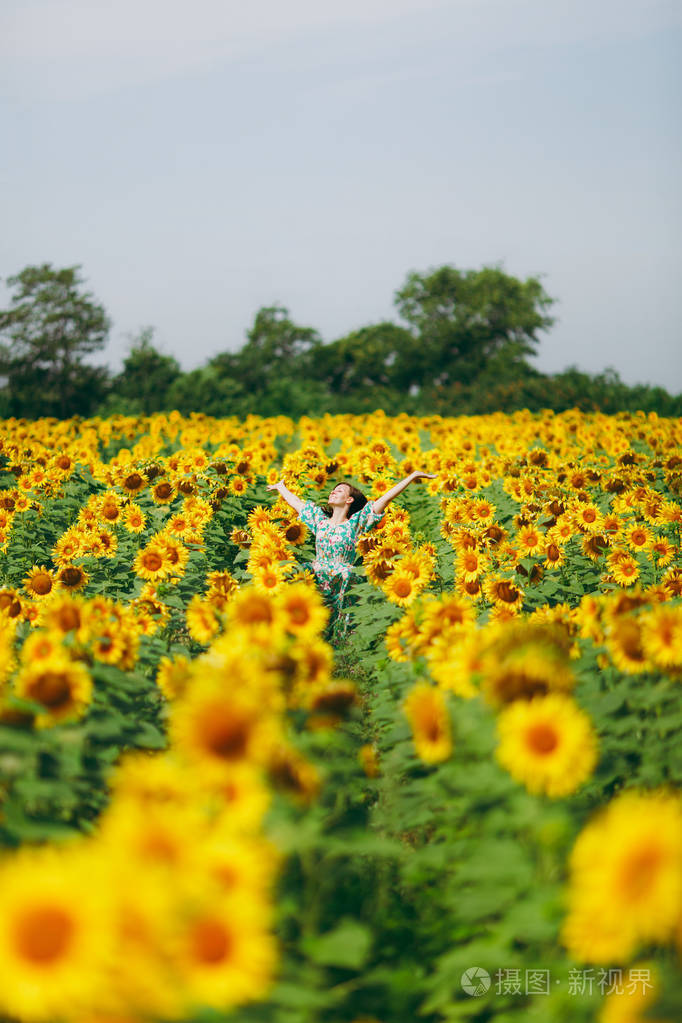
x=419, y=475
x=274, y=486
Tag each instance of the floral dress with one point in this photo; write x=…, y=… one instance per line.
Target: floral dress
x=335, y=555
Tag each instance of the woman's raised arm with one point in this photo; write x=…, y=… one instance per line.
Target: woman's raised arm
x=381, y=502
x=292, y=499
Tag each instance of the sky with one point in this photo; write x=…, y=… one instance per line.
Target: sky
x=202, y=160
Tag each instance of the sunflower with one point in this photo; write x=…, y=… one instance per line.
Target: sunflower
x=588, y=517
x=453, y=666
x=503, y=593
x=41, y=645
x=72, y=578
x=243, y=798
x=252, y=608
x=104, y=543
x=217, y=728
x=134, y=519
x=623, y=568
x=547, y=743
x=446, y=617
x=68, y=546
x=110, y=510
x=661, y=636
x=417, y=565
x=56, y=934
x=400, y=638
x=470, y=565
x=291, y=773
x=61, y=686
x=202, y=621
x=426, y=709
x=175, y=554
x=520, y=660
x=662, y=550
x=554, y=556
x=133, y=482
x=150, y=562
x=305, y=614
x=313, y=663
x=224, y=954
x=562, y=531
x=594, y=545
x=335, y=699
x=625, y=887
x=481, y=511
x=10, y=605
x=173, y=675
x=473, y=590
x=269, y=578
x=238, y=485
x=530, y=541
x=295, y=532
x=401, y=588
x=163, y=492
x=638, y=537
x=625, y=646
x=222, y=583
x=39, y=582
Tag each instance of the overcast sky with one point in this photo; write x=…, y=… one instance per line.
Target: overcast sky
x=203, y=159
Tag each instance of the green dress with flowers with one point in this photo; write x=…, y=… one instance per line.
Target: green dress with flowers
x=335, y=556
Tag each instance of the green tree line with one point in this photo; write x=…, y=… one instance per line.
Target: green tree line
x=461, y=346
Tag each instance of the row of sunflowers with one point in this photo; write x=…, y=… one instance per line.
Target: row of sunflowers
x=211, y=812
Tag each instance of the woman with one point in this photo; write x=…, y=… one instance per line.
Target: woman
x=336, y=534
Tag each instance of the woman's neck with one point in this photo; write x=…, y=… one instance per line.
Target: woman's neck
x=338, y=516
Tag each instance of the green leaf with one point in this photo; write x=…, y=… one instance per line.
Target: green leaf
x=347, y=945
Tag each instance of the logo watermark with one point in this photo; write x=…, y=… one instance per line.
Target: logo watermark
x=476, y=981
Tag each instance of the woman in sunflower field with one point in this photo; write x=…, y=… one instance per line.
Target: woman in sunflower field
x=336, y=533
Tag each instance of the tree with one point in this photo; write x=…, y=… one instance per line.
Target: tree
x=275, y=346
x=147, y=375
x=374, y=358
x=462, y=318
x=48, y=329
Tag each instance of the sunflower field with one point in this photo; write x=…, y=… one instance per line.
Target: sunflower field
x=468, y=808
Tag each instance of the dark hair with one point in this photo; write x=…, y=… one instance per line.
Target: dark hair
x=359, y=500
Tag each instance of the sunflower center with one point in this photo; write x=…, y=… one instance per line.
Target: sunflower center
x=152, y=561
x=41, y=584
x=210, y=941
x=51, y=688
x=639, y=871
x=226, y=734
x=433, y=730
x=133, y=482
x=403, y=587
x=299, y=614
x=542, y=738
x=164, y=491
x=69, y=618
x=507, y=592
x=71, y=577
x=43, y=934
x=256, y=611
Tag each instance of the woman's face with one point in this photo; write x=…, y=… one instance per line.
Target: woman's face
x=339, y=496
